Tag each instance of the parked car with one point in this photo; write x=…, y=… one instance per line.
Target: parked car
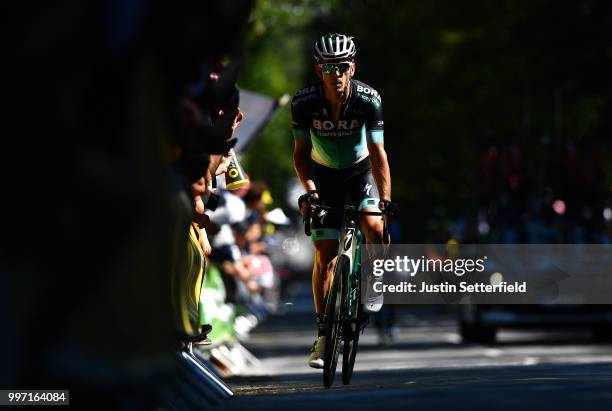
x=480, y=323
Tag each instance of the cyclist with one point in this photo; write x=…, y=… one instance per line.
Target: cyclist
x=339, y=152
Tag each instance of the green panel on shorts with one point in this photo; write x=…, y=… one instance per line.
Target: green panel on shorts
x=325, y=234
x=369, y=202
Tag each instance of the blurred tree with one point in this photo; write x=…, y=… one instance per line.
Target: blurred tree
x=455, y=78
x=278, y=59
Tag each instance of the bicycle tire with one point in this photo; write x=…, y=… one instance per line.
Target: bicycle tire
x=333, y=318
x=348, y=357
x=351, y=338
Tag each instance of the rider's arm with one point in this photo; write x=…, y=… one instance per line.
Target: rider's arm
x=376, y=148
x=301, y=160
x=380, y=169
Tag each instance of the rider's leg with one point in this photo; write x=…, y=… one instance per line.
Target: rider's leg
x=325, y=255
x=372, y=227
x=325, y=235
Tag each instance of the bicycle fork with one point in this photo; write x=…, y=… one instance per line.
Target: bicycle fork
x=348, y=250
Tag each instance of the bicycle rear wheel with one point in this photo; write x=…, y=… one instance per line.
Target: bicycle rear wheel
x=333, y=319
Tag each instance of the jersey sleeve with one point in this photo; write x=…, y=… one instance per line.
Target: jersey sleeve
x=299, y=118
x=375, y=124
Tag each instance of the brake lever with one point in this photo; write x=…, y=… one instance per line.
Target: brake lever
x=386, y=236
x=306, y=219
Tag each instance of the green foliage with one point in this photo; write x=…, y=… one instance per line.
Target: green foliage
x=455, y=77
x=277, y=62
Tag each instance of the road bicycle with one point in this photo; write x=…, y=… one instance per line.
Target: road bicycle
x=344, y=317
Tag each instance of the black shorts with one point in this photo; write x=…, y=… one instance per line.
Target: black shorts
x=336, y=187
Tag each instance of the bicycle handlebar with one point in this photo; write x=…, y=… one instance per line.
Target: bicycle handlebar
x=310, y=207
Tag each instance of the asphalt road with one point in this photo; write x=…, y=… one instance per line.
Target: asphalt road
x=427, y=368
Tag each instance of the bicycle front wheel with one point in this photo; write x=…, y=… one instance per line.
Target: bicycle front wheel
x=333, y=320
x=348, y=356
x=351, y=333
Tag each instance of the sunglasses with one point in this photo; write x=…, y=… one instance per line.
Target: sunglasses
x=329, y=68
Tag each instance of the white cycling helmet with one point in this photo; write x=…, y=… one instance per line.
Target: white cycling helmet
x=334, y=46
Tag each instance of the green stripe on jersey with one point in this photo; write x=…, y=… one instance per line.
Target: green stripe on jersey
x=339, y=152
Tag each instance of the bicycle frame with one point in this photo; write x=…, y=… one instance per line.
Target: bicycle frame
x=350, y=240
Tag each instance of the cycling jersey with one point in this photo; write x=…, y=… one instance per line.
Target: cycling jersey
x=343, y=143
